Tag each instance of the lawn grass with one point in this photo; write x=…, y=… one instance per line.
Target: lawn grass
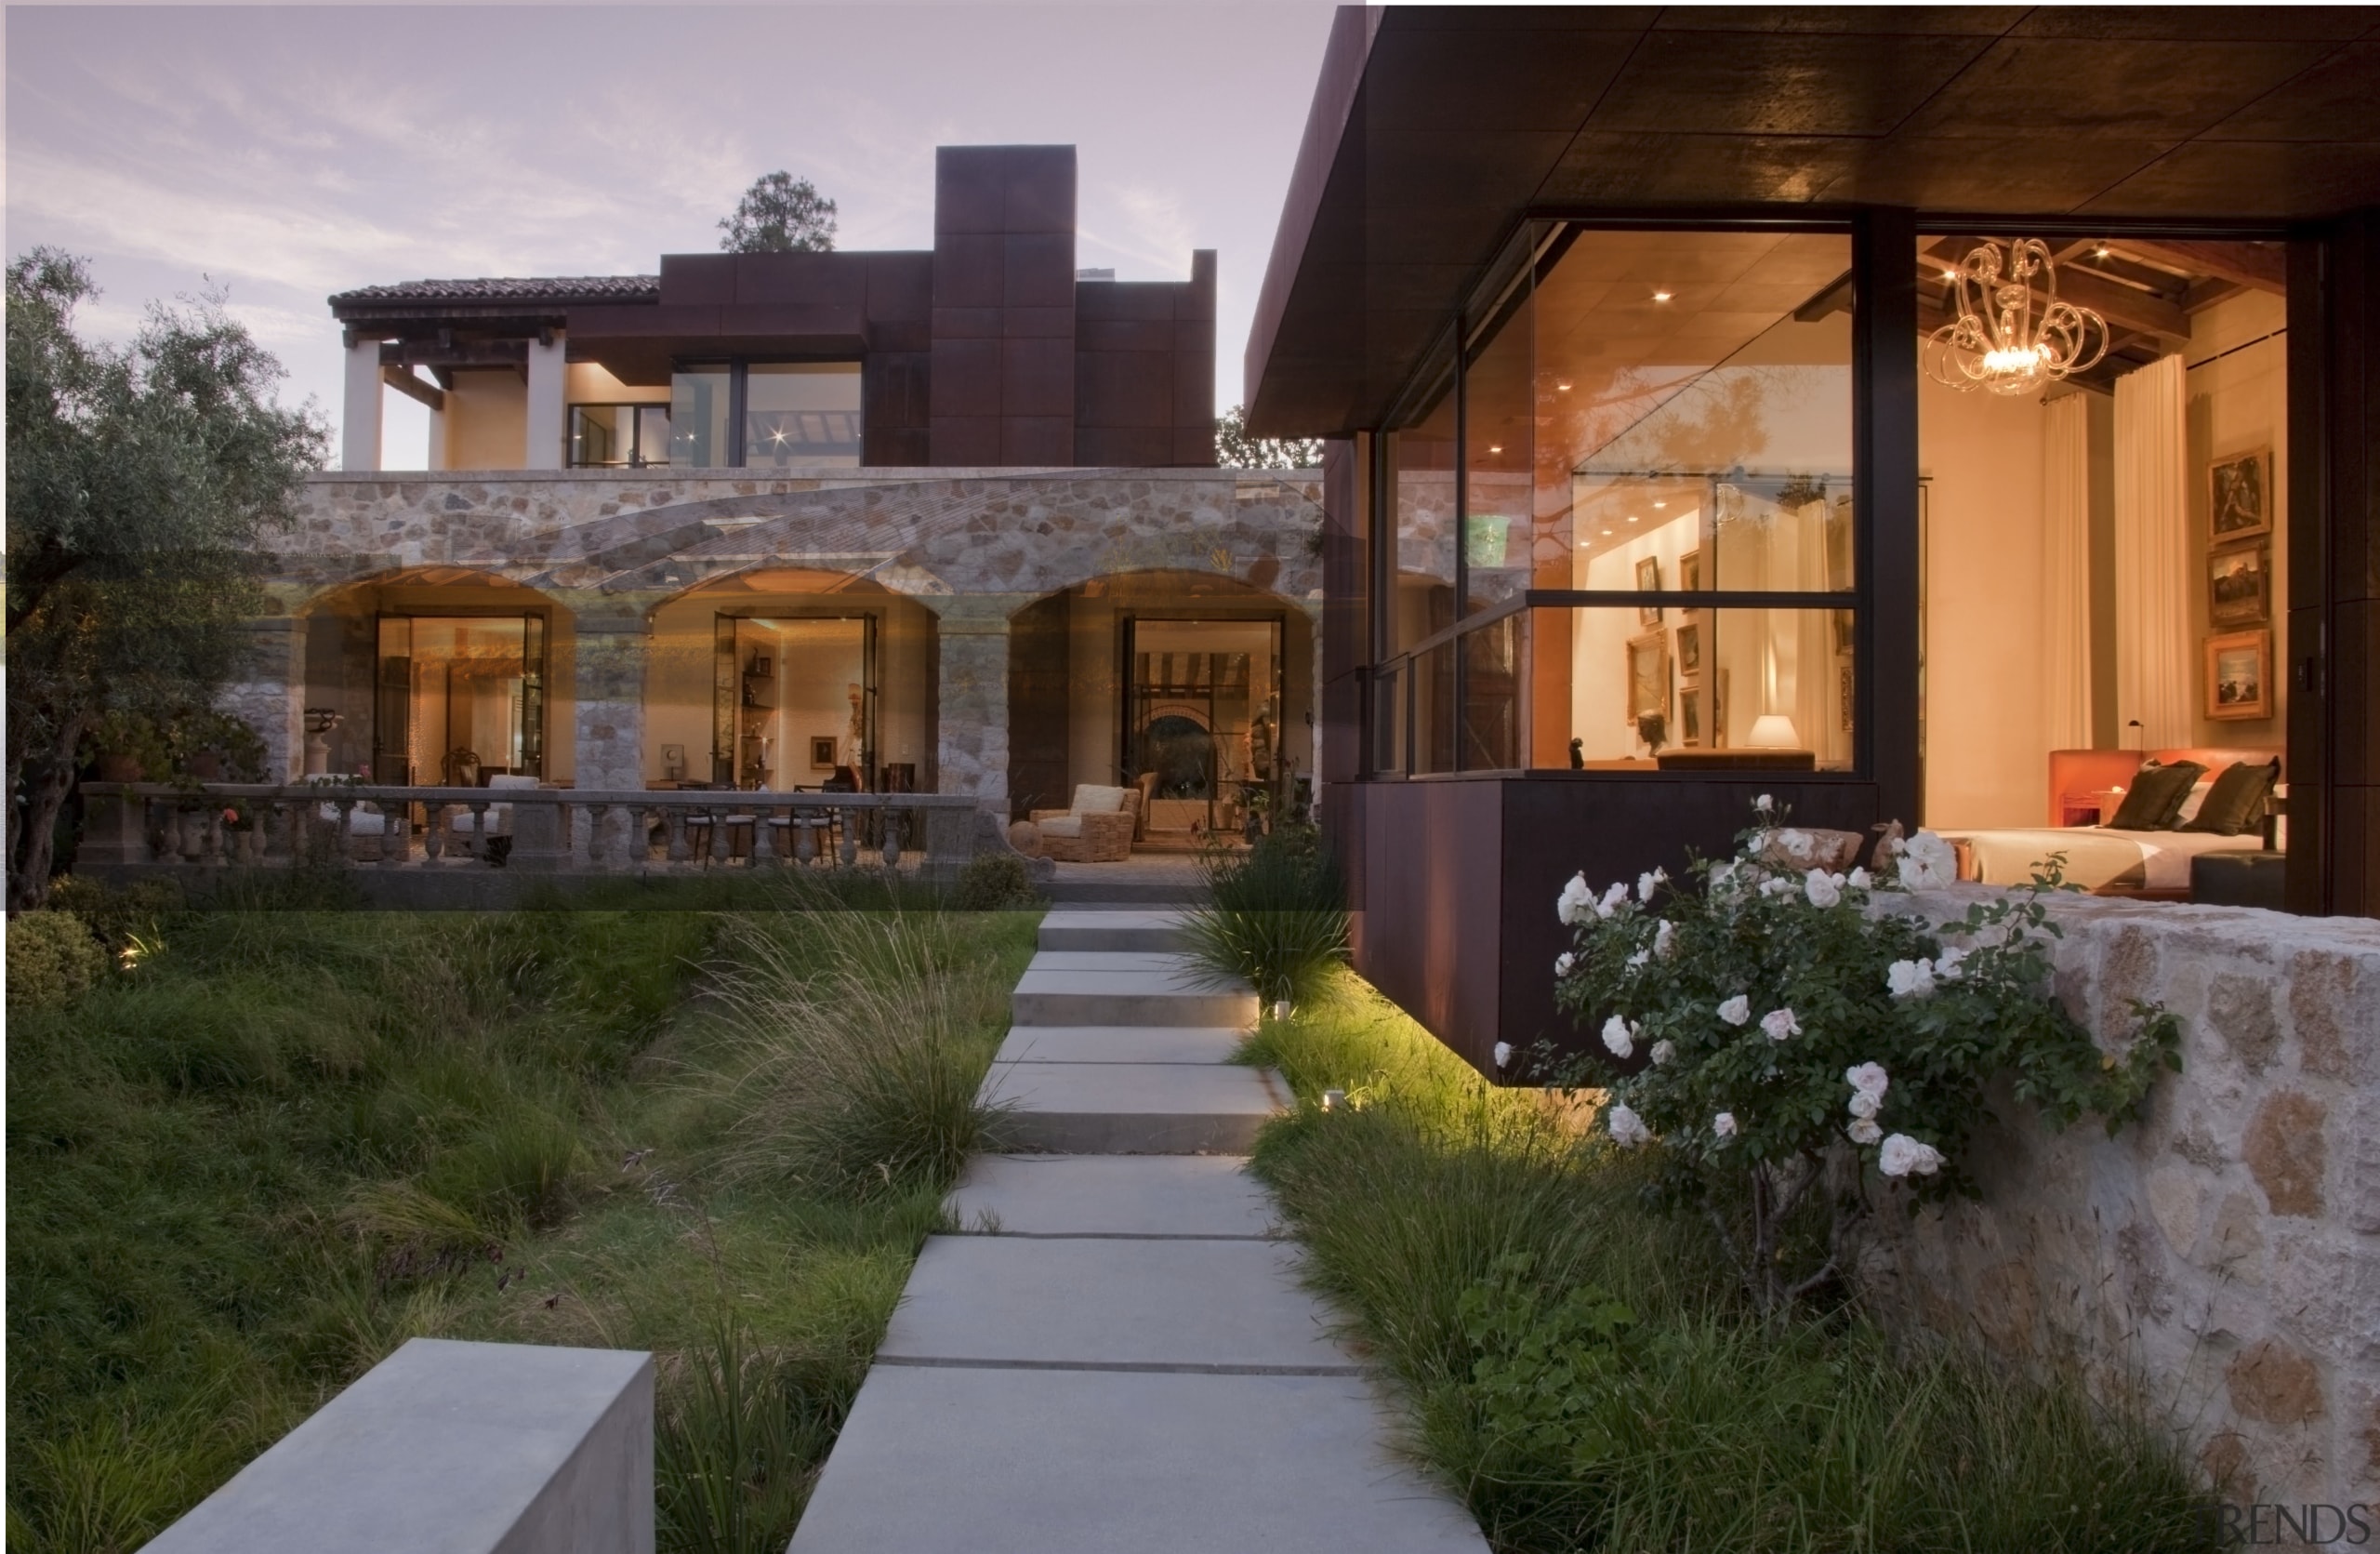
x=1688, y=1424
x=288, y=1140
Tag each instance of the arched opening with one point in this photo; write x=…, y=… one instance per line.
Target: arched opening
x=786, y=678
x=1194, y=688
x=436, y=675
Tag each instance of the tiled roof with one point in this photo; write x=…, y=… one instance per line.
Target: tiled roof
x=530, y=290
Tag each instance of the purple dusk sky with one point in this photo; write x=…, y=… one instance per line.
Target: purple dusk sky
x=285, y=152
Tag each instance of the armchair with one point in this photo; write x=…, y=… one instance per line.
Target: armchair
x=1096, y=828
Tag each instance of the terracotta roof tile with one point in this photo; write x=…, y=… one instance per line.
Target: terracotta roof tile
x=534, y=290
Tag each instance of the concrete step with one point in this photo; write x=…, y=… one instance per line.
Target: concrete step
x=1120, y=1043
x=1115, y=928
x=1131, y=1109
x=1111, y=1195
x=1030, y=1461
x=1064, y=986
x=1102, y=1303
x=1094, y=892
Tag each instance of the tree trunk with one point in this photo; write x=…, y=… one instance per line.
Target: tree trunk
x=48, y=778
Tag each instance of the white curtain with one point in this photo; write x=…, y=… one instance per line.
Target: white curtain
x=2066, y=569
x=2153, y=648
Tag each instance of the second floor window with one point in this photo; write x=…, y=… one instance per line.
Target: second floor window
x=618, y=437
x=765, y=414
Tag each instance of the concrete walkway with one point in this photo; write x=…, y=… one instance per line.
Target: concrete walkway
x=1115, y=1357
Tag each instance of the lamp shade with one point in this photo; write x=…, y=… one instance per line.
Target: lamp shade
x=1773, y=731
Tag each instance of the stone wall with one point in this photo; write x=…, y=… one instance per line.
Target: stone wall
x=2226, y=1252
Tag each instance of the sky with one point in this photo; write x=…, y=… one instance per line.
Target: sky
x=280, y=153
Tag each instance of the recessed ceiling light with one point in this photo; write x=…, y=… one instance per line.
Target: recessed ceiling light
x=2099, y=252
x=1562, y=388
x=1495, y=448
x=1661, y=296
x=1660, y=504
x=1632, y=517
x=1607, y=531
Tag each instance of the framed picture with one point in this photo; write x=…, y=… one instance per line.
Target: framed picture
x=1689, y=571
x=673, y=762
x=822, y=752
x=2239, y=675
x=1648, y=676
x=2238, y=586
x=1690, y=715
x=1689, y=649
x=1649, y=581
x=2239, y=496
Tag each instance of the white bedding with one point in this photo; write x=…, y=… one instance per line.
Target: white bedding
x=2097, y=857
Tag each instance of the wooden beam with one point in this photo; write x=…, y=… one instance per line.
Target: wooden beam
x=452, y=352
x=2122, y=306
x=414, y=388
x=2264, y=266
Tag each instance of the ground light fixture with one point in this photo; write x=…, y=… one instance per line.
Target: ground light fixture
x=2011, y=334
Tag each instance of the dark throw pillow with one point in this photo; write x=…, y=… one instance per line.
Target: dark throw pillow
x=2157, y=796
x=2236, y=803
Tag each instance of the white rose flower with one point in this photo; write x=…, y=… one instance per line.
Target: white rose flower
x=1822, y=888
x=1563, y=962
x=1779, y=1024
x=1618, y=1037
x=1861, y=879
x=1574, y=901
x=1648, y=883
x=1663, y=1050
x=1928, y=863
x=1665, y=939
x=1628, y=1130
x=1904, y=1155
x=1863, y=1131
x=1909, y=978
x=1776, y=886
x=1865, y=1103
x=1723, y=1125
x=1764, y=803
x=1869, y=1079
x=1946, y=964
x=1722, y=878
x=1504, y=1054
x=1612, y=898
x=1737, y=1010
x=1638, y=959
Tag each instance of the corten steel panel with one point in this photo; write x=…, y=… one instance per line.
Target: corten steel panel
x=1342, y=730
x=894, y=396
x=2334, y=95
x=970, y=270
x=1150, y=301
x=1341, y=813
x=1783, y=84
x=1194, y=389
x=900, y=286
x=900, y=334
x=1343, y=567
x=695, y=279
x=1046, y=323
x=1041, y=271
x=965, y=440
x=1616, y=827
x=1116, y=334
x=967, y=324
x=1123, y=446
x=1039, y=186
x=1198, y=300
x=1038, y=378
x=2270, y=181
x=897, y=448
x=966, y=380
x=1036, y=440
x=1194, y=447
x=1194, y=334
x=2026, y=89
x=819, y=320
x=645, y=323
x=1123, y=388
x=970, y=192
x=805, y=278
x=1432, y=873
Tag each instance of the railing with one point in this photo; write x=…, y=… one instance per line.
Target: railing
x=265, y=824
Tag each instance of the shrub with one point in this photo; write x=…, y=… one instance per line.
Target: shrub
x=994, y=883
x=120, y=915
x=1278, y=916
x=53, y=960
x=1793, y=1018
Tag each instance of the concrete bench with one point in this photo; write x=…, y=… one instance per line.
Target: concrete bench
x=452, y=1448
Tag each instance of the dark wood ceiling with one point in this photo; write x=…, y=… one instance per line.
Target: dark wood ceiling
x=1434, y=128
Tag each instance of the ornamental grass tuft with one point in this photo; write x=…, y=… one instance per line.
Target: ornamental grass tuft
x=1276, y=916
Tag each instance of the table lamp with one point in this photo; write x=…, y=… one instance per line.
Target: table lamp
x=1773, y=731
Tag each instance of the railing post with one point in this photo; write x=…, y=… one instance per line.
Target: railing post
x=673, y=822
x=540, y=833
x=718, y=835
x=764, y=846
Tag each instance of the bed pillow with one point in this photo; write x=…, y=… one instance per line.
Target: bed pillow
x=2192, y=803
x=2237, y=802
x=2156, y=797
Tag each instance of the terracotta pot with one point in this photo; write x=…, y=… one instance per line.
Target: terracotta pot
x=119, y=766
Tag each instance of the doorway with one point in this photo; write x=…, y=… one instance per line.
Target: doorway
x=794, y=702
x=1201, y=721
x=458, y=698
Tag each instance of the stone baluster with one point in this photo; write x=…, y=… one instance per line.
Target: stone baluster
x=892, y=838
x=848, y=822
x=673, y=820
x=765, y=842
x=717, y=834
x=396, y=833
x=343, y=839
x=599, y=843
x=433, y=829
x=276, y=830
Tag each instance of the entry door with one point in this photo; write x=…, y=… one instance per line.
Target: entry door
x=1200, y=710
x=735, y=714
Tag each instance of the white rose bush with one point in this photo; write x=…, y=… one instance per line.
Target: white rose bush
x=1811, y=1042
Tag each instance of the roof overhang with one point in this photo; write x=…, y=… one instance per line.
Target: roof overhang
x=1435, y=131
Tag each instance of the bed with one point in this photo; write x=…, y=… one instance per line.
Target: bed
x=2151, y=865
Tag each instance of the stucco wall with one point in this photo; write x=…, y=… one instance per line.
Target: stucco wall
x=2226, y=1252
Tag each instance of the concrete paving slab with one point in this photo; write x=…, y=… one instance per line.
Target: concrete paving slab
x=1111, y=1195
x=1120, y=1043
x=1131, y=1109
x=1171, y=967
x=1115, y=928
x=1203, y=1305
x=1047, y=995
x=965, y=1461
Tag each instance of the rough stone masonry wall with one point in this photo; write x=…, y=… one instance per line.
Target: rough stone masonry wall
x=2226, y=1252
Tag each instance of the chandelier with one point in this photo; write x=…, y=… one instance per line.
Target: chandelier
x=2008, y=335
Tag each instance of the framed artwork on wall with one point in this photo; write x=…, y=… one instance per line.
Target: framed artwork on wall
x=822, y=752
x=1690, y=715
x=1689, y=571
x=2239, y=494
x=2238, y=586
x=1649, y=581
x=1689, y=649
x=1648, y=676
x=2239, y=675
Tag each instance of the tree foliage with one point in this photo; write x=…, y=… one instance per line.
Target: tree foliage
x=780, y=214
x=1234, y=449
x=141, y=481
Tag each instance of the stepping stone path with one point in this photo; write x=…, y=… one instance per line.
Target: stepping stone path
x=1114, y=1356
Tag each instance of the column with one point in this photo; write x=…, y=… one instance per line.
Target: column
x=270, y=697
x=608, y=745
x=360, y=420
x=970, y=740
x=548, y=397
x=437, y=460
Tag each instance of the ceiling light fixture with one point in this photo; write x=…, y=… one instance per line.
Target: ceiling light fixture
x=1661, y=296
x=1632, y=517
x=2099, y=252
x=1607, y=531
x=1660, y=504
x=1562, y=388
x=1495, y=448
x=2012, y=334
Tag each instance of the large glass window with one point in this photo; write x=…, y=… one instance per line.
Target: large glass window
x=699, y=416
x=801, y=413
x=460, y=698
x=1418, y=593
x=618, y=437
